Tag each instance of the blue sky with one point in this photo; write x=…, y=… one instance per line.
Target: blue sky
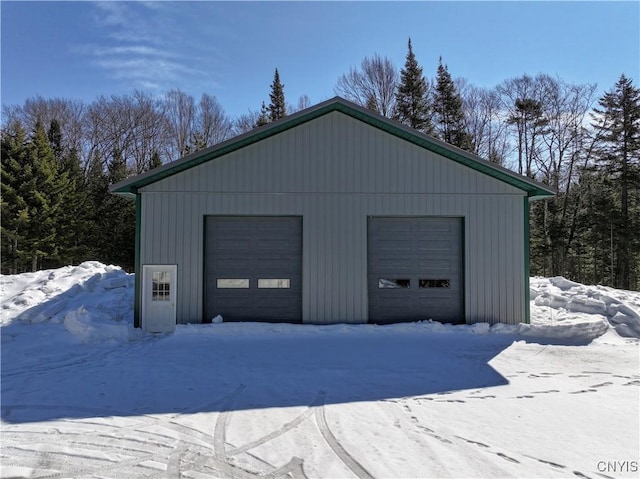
x=85, y=49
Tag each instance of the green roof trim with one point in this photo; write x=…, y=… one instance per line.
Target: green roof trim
x=533, y=189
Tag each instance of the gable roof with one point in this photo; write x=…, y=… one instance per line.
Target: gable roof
x=534, y=189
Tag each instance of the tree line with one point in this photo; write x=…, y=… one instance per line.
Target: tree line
x=59, y=157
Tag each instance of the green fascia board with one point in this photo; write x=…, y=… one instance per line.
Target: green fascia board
x=533, y=189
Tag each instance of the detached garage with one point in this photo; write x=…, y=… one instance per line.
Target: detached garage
x=334, y=214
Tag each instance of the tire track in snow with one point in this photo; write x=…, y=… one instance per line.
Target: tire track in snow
x=161, y=445
x=337, y=448
x=319, y=399
x=220, y=429
x=89, y=435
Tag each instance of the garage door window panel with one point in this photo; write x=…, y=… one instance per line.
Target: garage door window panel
x=389, y=283
x=271, y=283
x=434, y=283
x=224, y=283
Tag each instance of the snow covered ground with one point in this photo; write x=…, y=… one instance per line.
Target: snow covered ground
x=86, y=395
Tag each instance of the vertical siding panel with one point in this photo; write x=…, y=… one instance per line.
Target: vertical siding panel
x=430, y=173
x=156, y=227
x=184, y=297
x=313, y=255
x=506, y=285
x=181, y=237
x=322, y=263
x=498, y=267
x=194, y=218
x=352, y=162
x=477, y=267
x=501, y=250
x=336, y=278
x=489, y=225
x=518, y=283
x=197, y=218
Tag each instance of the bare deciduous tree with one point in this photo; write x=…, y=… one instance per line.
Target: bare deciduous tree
x=68, y=113
x=212, y=123
x=484, y=122
x=303, y=103
x=373, y=85
x=246, y=122
x=180, y=112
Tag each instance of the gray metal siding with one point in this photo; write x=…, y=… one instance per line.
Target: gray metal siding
x=335, y=172
x=334, y=243
x=333, y=154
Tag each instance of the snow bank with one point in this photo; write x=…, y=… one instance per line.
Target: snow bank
x=95, y=327
x=558, y=301
x=94, y=303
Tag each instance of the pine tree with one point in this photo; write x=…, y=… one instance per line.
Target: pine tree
x=97, y=190
x=412, y=102
x=13, y=210
x=120, y=215
x=55, y=139
x=447, y=106
x=197, y=142
x=72, y=219
x=372, y=104
x=619, y=157
x=155, y=160
x=277, y=105
x=113, y=217
x=263, y=118
x=43, y=193
x=71, y=222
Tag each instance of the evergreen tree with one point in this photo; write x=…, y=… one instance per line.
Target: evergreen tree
x=447, y=106
x=277, y=105
x=197, y=142
x=43, y=192
x=372, y=104
x=412, y=102
x=113, y=218
x=263, y=118
x=97, y=191
x=120, y=216
x=14, y=208
x=71, y=221
x=55, y=139
x=72, y=224
x=155, y=160
x=619, y=157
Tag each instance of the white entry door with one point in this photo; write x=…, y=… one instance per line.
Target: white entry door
x=159, y=298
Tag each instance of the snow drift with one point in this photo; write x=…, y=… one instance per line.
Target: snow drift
x=94, y=302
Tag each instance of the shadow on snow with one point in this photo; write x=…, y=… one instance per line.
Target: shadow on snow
x=199, y=368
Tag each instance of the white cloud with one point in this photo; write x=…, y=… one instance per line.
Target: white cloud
x=112, y=13
x=142, y=50
x=144, y=43
x=145, y=68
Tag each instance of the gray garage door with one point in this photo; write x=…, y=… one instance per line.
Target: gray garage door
x=253, y=268
x=415, y=269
